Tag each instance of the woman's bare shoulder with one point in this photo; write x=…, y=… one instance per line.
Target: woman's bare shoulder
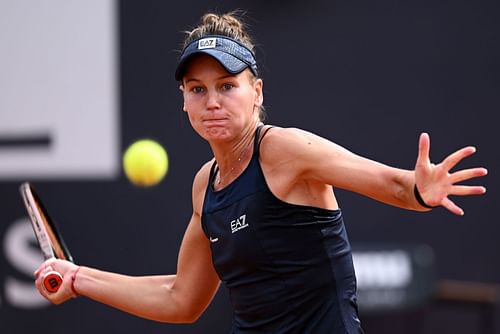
x=200, y=183
x=281, y=142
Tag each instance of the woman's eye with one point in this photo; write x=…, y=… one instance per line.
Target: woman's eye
x=227, y=86
x=197, y=90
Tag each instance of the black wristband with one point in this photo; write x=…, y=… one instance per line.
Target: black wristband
x=420, y=200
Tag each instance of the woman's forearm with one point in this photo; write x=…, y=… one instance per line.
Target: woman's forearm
x=150, y=297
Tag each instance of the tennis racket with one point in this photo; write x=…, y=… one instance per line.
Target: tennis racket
x=49, y=239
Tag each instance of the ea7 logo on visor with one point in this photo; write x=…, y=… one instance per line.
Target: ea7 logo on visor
x=207, y=43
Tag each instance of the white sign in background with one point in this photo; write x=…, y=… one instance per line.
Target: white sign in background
x=58, y=89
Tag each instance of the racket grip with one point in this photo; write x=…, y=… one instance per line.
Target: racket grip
x=52, y=281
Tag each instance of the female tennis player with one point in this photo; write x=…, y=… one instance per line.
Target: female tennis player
x=265, y=219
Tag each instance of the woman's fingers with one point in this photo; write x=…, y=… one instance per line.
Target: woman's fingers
x=453, y=159
x=467, y=190
x=424, y=145
x=452, y=207
x=43, y=266
x=467, y=174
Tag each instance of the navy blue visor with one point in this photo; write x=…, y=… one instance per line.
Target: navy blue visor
x=231, y=54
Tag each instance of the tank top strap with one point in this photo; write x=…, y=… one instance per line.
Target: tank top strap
x=213, y=170
x=258, y=138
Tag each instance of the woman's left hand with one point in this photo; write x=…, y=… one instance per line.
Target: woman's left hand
x=435, y=182
x=66, y=269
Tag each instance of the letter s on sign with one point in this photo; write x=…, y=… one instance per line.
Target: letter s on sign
x=25, y=258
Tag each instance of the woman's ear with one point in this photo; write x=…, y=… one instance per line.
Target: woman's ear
x=181, y=88
x=259, y=92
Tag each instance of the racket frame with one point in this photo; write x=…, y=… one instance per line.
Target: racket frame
x=47, y=235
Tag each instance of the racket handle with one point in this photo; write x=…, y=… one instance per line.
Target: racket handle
x=52, y=281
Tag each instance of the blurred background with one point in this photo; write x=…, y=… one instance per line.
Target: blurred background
x=81, y=80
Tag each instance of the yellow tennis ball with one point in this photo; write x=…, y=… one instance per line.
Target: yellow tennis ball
x=145, y=163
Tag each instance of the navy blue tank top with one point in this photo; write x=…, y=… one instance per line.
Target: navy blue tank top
x=288, y=267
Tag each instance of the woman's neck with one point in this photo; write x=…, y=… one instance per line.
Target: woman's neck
x=233, y=157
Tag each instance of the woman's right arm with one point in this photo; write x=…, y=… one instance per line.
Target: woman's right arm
x=179, y=298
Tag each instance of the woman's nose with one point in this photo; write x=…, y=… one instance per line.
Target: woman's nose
x=213, y=99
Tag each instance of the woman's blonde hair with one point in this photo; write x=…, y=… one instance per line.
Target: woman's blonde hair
x=230, y=25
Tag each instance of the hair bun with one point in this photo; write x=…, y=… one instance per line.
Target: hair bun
x=229, y=24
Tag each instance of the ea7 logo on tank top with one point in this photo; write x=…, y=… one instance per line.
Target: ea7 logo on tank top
x=238, y=224
x=207, y=43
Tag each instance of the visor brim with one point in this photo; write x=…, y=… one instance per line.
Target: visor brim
x=230, y=63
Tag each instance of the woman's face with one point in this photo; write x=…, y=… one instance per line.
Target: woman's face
x=220, y=106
